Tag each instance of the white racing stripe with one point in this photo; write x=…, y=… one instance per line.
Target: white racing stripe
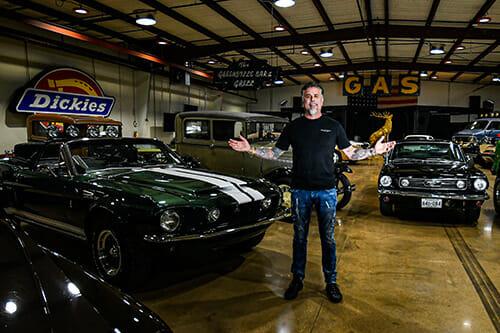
x=256, y=195
x=224, y=186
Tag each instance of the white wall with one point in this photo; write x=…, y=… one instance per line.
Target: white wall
x=140, y=96
x=432, y=93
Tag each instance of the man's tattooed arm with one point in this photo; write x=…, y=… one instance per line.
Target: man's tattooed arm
x=357, y=154
x=269, y=153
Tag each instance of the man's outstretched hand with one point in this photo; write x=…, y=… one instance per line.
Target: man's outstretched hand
x=384, y=147
x=241, y=145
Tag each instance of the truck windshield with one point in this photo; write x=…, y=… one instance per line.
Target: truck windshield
x=264, y=131
x=478, y=125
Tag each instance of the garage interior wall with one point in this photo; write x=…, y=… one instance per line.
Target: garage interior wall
x=432, y=94
x=139, y=96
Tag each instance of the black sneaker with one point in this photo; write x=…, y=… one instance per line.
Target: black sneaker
x=333, y=293
x=293, y=289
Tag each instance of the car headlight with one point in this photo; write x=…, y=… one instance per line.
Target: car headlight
x=93, y=131
x=385, y=181
x=72, y=131
x=480, y=184
x=404, y=182
x=170, y=220
x=460, y=184
x=213, y=214
x=53, y=131
x=266, y=203
x=112, y=131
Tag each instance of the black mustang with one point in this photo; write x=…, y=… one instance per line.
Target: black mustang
x=41, y=291
x=131, y=198
x=432, y=175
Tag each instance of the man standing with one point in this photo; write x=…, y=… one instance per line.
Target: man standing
x=313, y=138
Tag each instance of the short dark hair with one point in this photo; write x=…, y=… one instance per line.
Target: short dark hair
x=312, y=84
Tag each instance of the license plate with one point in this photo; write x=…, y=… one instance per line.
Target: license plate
x=432, y=203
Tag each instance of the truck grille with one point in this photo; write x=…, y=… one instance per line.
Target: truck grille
x=442, y=184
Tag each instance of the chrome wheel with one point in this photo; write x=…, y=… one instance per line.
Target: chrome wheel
x=108, y=253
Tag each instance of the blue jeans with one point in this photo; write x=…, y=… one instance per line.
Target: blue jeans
x=325, y=202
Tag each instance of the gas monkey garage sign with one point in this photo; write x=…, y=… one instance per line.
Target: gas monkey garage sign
x=245, y=75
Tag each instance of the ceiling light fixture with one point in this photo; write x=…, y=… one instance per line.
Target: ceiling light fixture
x=162, y=42
x=148, y=19
x=495, y=78
x=80, y=10
x=284, y=3
x=341, y=75
x=332, y=78
x=434, y=77
x=326, y=53
x=279, y=27
x=279, y=80
x=424, y=74
x=448, y=61
x=484, y=19
x=317, y=65
x=436, y=49
x=460, y=47
x=211, y=61
x=304, y=52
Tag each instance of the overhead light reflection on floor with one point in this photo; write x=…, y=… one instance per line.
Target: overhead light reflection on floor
x=487, y=230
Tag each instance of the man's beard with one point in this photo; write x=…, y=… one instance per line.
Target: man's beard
x=312, y=111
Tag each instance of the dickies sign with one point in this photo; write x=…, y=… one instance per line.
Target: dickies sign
x=65, y=91
x=381, y=85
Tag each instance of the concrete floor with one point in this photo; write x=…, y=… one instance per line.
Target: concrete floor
x=396, y=276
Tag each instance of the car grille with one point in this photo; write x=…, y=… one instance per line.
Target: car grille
x=443, y=184
x=462, y=139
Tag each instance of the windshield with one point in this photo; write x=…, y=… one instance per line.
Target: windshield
x=99, y=154
x=426, y=151
x=264, y=131
x=478, y=125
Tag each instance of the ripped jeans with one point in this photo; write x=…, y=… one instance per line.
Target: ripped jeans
x=325, y=202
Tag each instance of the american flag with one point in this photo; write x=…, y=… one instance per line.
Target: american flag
x=396, y=101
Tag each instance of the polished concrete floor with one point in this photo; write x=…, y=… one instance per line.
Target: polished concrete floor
x=417, y=274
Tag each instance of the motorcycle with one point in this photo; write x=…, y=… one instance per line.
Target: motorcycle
x=344, y=186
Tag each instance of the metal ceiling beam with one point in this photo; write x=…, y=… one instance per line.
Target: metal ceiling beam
x=369, y=19
x=73, y=20
x=282, y=21
x=237, y=22
x=428, y=22
x=485, y=74
x=483, y=54
x=131, y=20
x=386, y=22
x=329, y=25
x=482, y=11
x=346, y=34
x=374, y=65
x=193, y=25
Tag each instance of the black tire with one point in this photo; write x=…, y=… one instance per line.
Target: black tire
x=386, y=209
x=471, y=215
x=496, y=196
x=284, y=184
x=116, y=258
x=343, y=191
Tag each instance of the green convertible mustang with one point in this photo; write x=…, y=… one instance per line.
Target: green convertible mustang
x=130, y=198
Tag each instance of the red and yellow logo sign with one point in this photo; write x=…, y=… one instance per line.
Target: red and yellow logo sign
x=66, y=91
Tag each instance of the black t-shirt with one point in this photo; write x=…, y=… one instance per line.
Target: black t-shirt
x=313, y=143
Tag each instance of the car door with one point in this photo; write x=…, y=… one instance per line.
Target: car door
x=197, y=140
x=226, y=159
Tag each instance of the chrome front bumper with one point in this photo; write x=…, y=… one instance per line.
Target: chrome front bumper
x=461, y=197
x=165, y=238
